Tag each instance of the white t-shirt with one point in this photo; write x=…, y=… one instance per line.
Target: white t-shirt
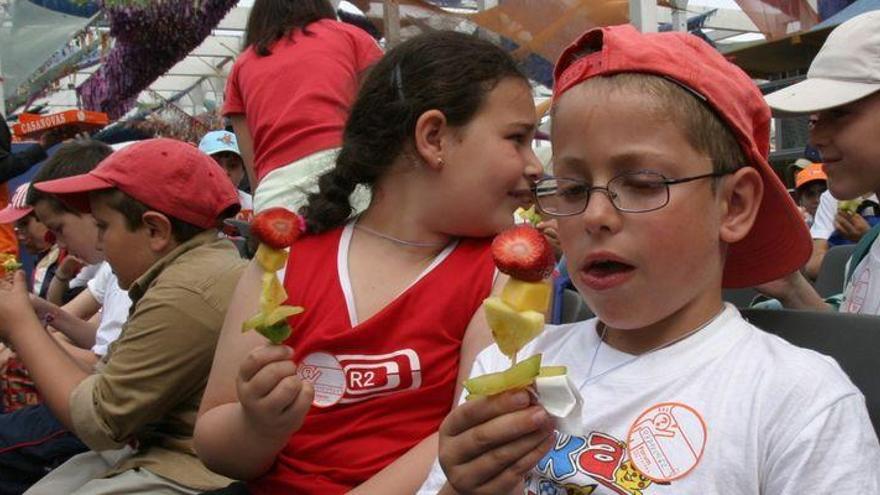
x=823, y=224
x=114, y=307
x=729, y=410
x=85, y=274
x=862, y=293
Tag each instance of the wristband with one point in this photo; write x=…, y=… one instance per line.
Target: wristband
x=59, y=277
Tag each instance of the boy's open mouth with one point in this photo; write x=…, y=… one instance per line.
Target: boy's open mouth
x=603, y=268
x=602, y=274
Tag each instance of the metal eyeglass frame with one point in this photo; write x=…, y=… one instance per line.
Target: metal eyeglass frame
x=612, y=196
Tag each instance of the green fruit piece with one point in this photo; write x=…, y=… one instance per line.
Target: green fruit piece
x=849, y=206
x=10, y=264
x=276, y=333
x=552, y=371
x=281, y=313
x=253, y=322
x=530, y=215
x=511, y=329
x=518, y=376
x=270, y=259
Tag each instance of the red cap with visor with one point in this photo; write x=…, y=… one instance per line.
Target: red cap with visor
x=779, y=242
x=169, y=176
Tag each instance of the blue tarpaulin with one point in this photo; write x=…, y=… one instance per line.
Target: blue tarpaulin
x=69, y=7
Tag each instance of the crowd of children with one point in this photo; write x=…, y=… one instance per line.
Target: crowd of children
x=142, y=380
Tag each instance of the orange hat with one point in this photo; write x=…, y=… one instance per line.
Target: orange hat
x=169, y=176
x=810, y=173
x=779, y=242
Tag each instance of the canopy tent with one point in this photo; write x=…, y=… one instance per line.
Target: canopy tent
x=195, y=84
x=792, y=54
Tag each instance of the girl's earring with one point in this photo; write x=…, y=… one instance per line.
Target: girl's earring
x=440, y=162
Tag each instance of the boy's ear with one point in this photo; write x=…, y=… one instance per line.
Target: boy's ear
x=428, y=139
x=741, y=194
x=159, y=230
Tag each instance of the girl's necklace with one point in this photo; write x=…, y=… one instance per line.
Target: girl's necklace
x=402, y=242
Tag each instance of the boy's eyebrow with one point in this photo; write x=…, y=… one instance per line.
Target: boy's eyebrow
x=526, y=126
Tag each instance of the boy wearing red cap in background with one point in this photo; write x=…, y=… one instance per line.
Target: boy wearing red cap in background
x=34, y=237
x=157, y=204
x=664, y=195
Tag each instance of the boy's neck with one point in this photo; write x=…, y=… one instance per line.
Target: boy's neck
x=677, y=326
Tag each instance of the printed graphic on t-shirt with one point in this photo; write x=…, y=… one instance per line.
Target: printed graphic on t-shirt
x=347, y=378
x=666, y=442
x=859, y=292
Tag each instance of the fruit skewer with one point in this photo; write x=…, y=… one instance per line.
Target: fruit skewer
x=517, y=316
x=276, y=229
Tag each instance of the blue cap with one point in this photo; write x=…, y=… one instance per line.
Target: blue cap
x=216, y=141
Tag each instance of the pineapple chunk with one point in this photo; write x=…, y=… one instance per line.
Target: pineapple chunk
x=273, y=293
x=519, y=376
x=511, y=329
x=270, y=259
x=527, y=296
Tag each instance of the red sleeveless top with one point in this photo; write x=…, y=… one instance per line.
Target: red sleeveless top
x=393, y=378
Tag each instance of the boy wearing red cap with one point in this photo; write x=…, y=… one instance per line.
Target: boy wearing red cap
x=664, y=195
x=156, y=204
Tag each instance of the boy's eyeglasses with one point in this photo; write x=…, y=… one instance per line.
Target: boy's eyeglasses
x=630, y=192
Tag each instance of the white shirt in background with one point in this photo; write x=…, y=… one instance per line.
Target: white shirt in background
x=114, y=307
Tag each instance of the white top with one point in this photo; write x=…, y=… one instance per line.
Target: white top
x=85, y=274
x=823, y=224
x=729, y=410
x=246, y=200
x=862, y=293
x=114, y=307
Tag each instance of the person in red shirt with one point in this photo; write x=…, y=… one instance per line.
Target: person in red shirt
x=442, y=134
x=289, y=94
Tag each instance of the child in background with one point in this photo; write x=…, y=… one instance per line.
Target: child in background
x=159, y=235
x=842, y=93
x=34, y=237
x=809, y=184
x=681, y=394
x=832, y=226
x=222, y=146
x=32, y=439
x=441, y=132
x=289, y=93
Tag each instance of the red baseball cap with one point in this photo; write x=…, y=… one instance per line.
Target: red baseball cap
x=17, y=207
x=779, y=242
x=169, y=176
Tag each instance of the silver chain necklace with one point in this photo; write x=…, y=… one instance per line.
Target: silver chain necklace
x=591, y=378
x=400, y=241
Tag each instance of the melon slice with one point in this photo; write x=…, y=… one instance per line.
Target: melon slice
x=548, y=371
x=527, y=296
x=511, y=329
x=519, y=376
